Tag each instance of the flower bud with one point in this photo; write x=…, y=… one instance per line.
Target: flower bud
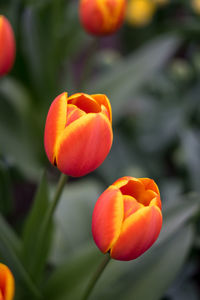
x=102, y=17
x=7, y=46
x=78, y=133
x=7, y=283
x=127, y=218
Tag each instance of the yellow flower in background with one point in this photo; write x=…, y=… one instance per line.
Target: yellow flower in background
x=196, y=6
x=161, y=2
x=140, y=12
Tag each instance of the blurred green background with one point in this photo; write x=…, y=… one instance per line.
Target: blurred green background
x=151, y=74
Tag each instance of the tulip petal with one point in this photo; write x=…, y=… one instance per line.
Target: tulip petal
x=84, y=144
x=85, y=102
x=122, y=181
x=55, y=124
x=91, y=17
x=150, y=185
x=138, y=233
x=113, y=14
x=73, y=113
x=7, y=44
x=142, y=189
x=7, y=284
x=130, y=206
x=107, y=218
x=103, y=100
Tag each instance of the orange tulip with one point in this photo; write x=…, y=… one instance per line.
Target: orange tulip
x=78, y=133
x=127, y=218
x=7, y=283
x=102, y=17
x=7, y=46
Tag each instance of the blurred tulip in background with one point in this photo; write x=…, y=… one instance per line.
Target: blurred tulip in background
x=140, y=12
x=102, y=17
x=7, y=284
x=7, y=46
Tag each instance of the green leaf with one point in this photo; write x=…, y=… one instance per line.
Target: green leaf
x=67, y=281
x=31, y=235
x=176, y=215
x=10, y=247
x=127, y=76
x=73, y=217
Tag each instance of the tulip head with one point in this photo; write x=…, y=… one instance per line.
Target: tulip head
x=102, y=17
x=7, y=284
x=78, y=133
x=140, y=12
x=7, y=46
x=127, y=218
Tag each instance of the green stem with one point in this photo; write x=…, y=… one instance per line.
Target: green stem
x=52, y=207
x=96, y=276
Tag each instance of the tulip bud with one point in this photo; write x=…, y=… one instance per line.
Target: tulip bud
x=102, y=17
x=7, y=283
x=127, y=218
x=78, y=133
x=140, y=12
x=7, y=46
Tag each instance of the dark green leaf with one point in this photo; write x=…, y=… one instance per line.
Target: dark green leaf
x=31, y=235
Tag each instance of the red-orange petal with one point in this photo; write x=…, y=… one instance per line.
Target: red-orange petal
x=7, y=284
x=84, y=145
x=138, y=233
x=107, y=218
x=7, y=46
x=55, y=124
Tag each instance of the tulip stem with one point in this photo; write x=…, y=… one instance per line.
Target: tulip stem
x=96, y=276
x=54, y=203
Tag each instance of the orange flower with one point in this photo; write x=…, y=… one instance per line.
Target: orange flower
x=7, y=283
x=78, y=133
x=7, y=46
x=127, y=218
x=102, y=17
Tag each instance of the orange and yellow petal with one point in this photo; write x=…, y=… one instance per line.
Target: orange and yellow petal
x=107, y=218
x=102, y=17
x=103, y=100
x=91, y=17
x=7, y=284
x=84, y=145
x=150, y=184
x=85, y=102
x=7, y=46
x=131, y=205
x=55, y=124
x=73, y=113
x=139, y=231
